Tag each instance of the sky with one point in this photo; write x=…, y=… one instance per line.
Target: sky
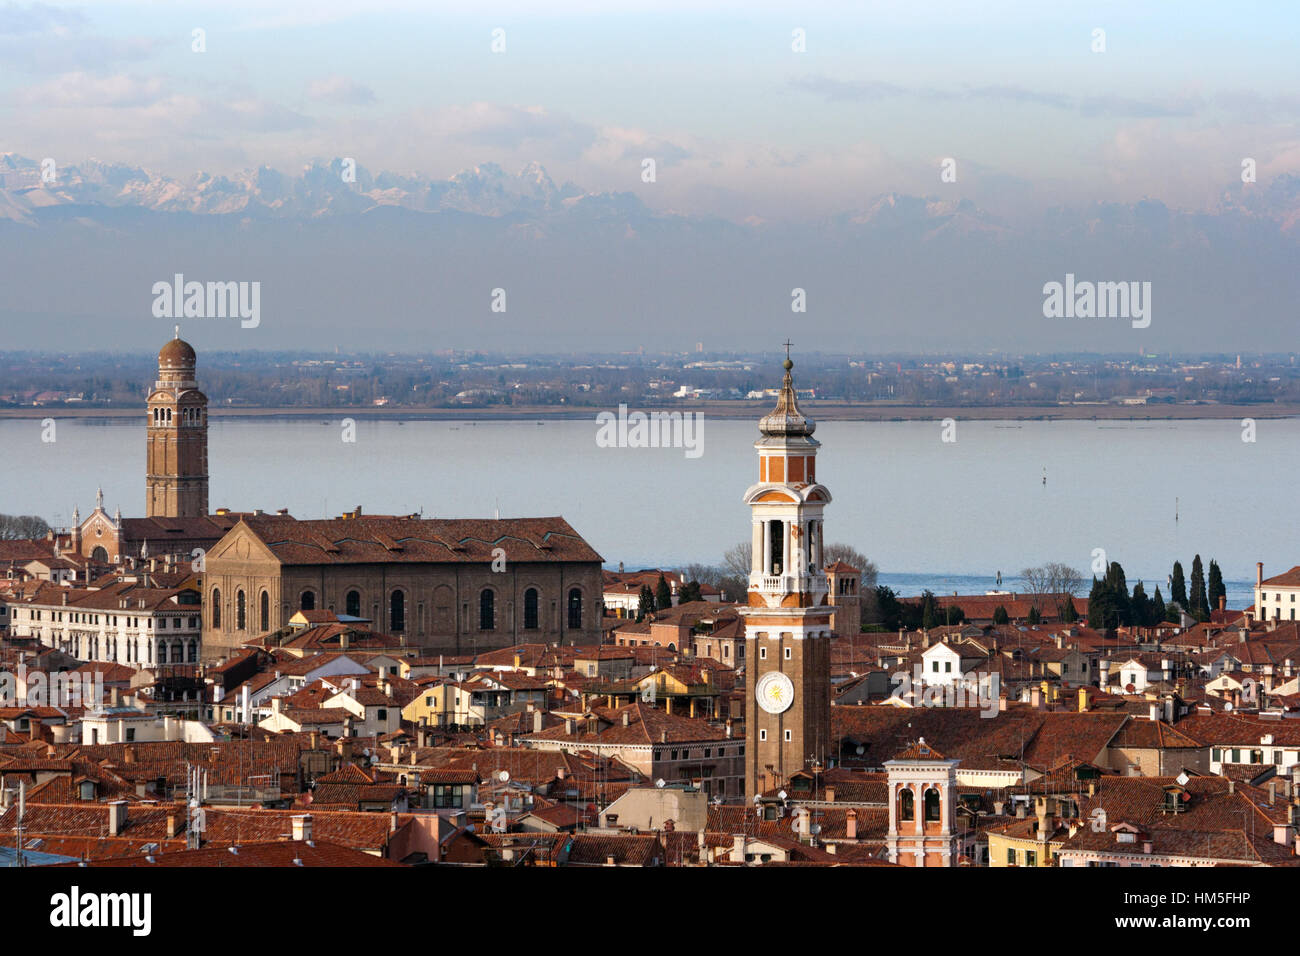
x=744, y=128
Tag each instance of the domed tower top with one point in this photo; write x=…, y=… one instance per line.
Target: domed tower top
x=177, y=361
x=786, y=420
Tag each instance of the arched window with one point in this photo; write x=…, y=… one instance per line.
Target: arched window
x=241, y=610
x=162, y=653
x=397, y=611
x=194, y=652
x=575, y=609
x=264, y=612
x=99, y=555
x=487, y=610
x=352, y=603
x=216, y=607
x=530, y=609
x=906, y=808
x=931, y=805
x=308, y=601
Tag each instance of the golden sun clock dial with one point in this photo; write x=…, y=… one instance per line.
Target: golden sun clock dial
x=774, y=692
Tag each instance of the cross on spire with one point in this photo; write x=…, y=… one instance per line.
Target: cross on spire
x=788, y=343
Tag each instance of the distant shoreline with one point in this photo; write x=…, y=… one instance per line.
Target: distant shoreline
x=739, y=410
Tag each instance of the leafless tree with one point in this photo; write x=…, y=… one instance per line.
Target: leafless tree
x=1051, y=580
x=22, y=527
x=739, y=560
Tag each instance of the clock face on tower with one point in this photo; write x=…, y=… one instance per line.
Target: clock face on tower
x=774, y=692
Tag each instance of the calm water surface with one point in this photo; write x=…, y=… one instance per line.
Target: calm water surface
x=929, y=513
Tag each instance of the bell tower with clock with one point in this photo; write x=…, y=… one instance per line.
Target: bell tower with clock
x=788, y=615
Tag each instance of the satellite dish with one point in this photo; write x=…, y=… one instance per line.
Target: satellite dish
x=861, y=750
x=782, y=794
x=815, y=829
x=757, y=799
x=503, y=776
x=660, y=783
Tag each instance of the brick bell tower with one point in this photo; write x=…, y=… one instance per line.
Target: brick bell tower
x=788, y=617
x=176, y=483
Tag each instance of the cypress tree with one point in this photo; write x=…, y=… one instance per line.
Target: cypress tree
x=1098, y=604
x=646, y=603
x=1216, y=588
x=1069, y=613
x=663, y=595
x=1000, y=615
x=1140, y=607
x=1118, y=594
x=1157, y=607
x=1033, y=617
x=929, y=610
x=1177, y=586
x=1200, y=608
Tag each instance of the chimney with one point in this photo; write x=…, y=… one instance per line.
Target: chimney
x=738, y=848
x=1105, y=674
x=1223, y=602
x=1153, y=712
x=627, y=719
x=830, y=793
x=1259, y=577
x=302, y=827
x=1040, y=811
x=116, y=817
x=171, y=823
x=851, y=824
x=728, y=728
x=537, y=721
x=1232, y=785
x=568, y=726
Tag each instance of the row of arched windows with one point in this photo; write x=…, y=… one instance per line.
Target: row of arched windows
x=241, y=610
x=907, y=805
x=487, y=618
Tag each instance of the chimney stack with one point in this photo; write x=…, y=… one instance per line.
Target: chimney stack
x=302, y=827
x=116, y=817
x=1259, y=575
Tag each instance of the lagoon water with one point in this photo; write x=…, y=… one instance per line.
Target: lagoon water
x=929, y=513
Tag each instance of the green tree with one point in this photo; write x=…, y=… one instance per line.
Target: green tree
x=646, y=604
x=1000, y=615
x=1069, y=613
x=1178, y=586
x=1157, y=607
x=1033, y=617
x=1140, y=607
x=889, y=608
x=689, y=592
x=1200, y=608
x=1103, y=614
x=1119, y=595
x=929, y=610
x=1216, y=589
x=663, y=595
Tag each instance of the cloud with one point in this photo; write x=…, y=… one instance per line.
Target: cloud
x=37, y=18
x=341, y=89
x=85, y=90
x=857, y=91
